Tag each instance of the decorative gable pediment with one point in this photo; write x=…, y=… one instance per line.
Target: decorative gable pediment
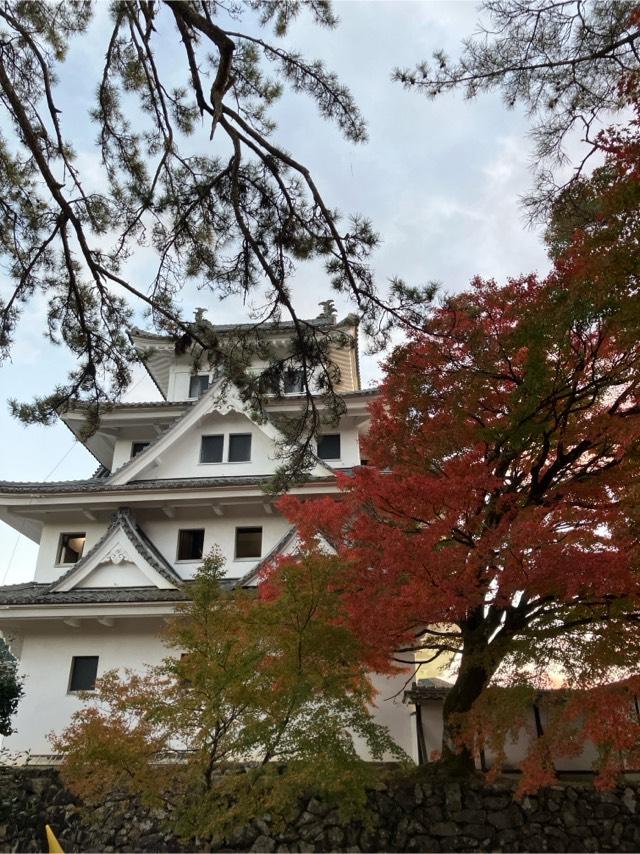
x=124, y=557
x=222, y=399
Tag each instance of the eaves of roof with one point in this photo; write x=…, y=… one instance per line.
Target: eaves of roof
x=282, y=325
x=100, y=485
x=349, y=395
x=418, y=694
x=183, y=404
x=143, y=404
x=35, y=593
x=421, y=695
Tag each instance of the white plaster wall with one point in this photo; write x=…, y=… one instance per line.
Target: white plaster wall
x=516, y=749
x=46, y=568
x=182, y=371
x=179, y=381
x=182, y=459
x=122, y=449
x=432, y=727
x=121, y=453
x=389, y=711
x=123, y=574
x=349, y=447
x=218, y=531
x=46, y=662
x=163, y=534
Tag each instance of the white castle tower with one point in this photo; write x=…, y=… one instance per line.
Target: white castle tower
x=175, y=478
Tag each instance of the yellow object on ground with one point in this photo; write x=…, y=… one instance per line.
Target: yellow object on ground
x=54, y=845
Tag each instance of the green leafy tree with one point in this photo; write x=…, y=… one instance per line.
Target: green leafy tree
x=260, y=701
x=562, y=61
x=188, y=167
x=11, y=689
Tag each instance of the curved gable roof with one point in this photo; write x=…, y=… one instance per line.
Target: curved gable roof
x=221, y=398
x=122, y=525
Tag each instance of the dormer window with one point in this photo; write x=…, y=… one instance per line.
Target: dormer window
x=137, y=448
x=239, y=447
x=293, y=382
x=70, y=547
x=329, y=446
x=198, y=385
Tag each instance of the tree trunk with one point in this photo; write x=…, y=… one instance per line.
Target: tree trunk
x=473, y=678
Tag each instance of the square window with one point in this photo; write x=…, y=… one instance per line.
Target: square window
x=198, y=385
x=211, y=449
x=138, y=447
x=293, y=382
x=268, y=383
x=329, y=446
x=239, y=447
x=248, y=542
x=84, y=670
x=71, y=547
x=190, y=544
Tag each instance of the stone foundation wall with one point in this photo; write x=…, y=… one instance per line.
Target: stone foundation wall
x=425, y=813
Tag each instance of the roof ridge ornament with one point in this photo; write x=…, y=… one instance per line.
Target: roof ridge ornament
x=329, y=311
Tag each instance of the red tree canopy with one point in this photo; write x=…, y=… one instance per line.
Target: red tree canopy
x=502, y=453
x=498, y=516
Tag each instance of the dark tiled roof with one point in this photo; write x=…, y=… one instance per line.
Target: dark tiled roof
x=362, y=392
x=322, y=321
x=100, y=473
x=138, y=539
x=177, y=404
x=100, y=484
x=428, y=689
x=34, y=593
x=148, y=404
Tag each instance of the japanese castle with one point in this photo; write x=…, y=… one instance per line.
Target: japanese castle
x=175, y=477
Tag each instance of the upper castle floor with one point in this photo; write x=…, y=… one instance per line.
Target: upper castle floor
x=196, y=461
x=182, y=373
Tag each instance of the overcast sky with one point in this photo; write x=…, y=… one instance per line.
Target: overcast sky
x=440, y=180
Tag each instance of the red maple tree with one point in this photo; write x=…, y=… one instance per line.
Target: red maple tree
x=497, y=519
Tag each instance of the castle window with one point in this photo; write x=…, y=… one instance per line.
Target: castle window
x=190, y=544
x=239, y=447
x=198, y=385
x=329, y=446
x=137, y=448
x=248, y=542
x=211, y=449
x=70, y=547
x=293, y=382
x=84, y=670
